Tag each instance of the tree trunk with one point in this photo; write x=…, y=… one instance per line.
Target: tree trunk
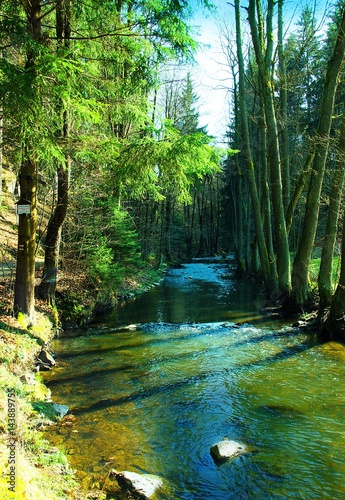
x=264, y=62
x=24, y=289
x=300, y=185
x=167, y=229
x=283, y=110
x=334, y=326
x=188, y=231
x=325, y=275
x=236, y=185
x=201, y=218
x=266, y=202
x=269, y=280
x=47, y=286
x=300, y=273
x=1, y=139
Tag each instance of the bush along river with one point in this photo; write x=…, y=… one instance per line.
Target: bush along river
x=155, y=385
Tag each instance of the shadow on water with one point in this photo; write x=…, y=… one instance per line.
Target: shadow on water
x=99, y=349
x=171, y=386
x=266, y=337
x=155, y=399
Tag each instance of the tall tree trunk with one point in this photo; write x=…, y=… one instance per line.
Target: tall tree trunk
x=300, y=273
x=283, y=110
x=236, y=185
x=266, y=202
x=325, y=275
x=334, y=326
x=269, y=279
x=188, y=231
x=201, y=218
x=264, y=61
x=47, y=286
x=167, y=229
x=299, y=187
x=1, y=139
x=24, y=289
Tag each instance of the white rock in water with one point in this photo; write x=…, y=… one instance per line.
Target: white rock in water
x=227, y=449
x=144, y=484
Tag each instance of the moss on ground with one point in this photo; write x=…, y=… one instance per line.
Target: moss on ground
x=41, y=471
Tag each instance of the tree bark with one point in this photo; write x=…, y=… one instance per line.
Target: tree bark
x=334, y=326
x=24, y=289
x=263, y=57
x=300, y=273
x=283, y=110
x=1, y=139
x=269, y=279
x=264, y=181
x=47, y=288
x=325, y=275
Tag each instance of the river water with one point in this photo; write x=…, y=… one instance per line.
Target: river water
x=155, y=385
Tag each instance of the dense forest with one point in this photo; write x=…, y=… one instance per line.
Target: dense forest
x=100, y=126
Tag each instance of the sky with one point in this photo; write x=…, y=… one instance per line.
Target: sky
x=211, y=76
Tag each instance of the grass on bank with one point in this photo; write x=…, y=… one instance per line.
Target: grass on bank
x=42, y=472
x=315, y=267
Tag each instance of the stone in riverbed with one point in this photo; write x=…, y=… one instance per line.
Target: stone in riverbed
x=45, y=360
x=60, y=410
x=142, y=485
x=51, y=410
x=226, y=449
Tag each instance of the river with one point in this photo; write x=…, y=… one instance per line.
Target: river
x=153, y=386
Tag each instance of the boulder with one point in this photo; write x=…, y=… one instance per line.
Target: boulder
x=141, y=485
x=60, y=410
x=226, y=449
x=45, y=360
x=50, y=410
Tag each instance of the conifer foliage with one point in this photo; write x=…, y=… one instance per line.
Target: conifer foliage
x=80, y=128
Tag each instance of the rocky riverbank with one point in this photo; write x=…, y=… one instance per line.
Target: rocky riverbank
x=31, y=469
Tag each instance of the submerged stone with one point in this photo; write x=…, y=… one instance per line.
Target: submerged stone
x=60, y=410
x=227, y=449
x=143, y=485
x=282, y=410
x=51, y=410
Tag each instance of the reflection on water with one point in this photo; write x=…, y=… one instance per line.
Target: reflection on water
x=156, y=398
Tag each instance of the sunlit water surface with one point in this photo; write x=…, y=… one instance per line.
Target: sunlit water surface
x=200, y=365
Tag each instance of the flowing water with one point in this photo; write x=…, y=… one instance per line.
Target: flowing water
x=192, y=361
